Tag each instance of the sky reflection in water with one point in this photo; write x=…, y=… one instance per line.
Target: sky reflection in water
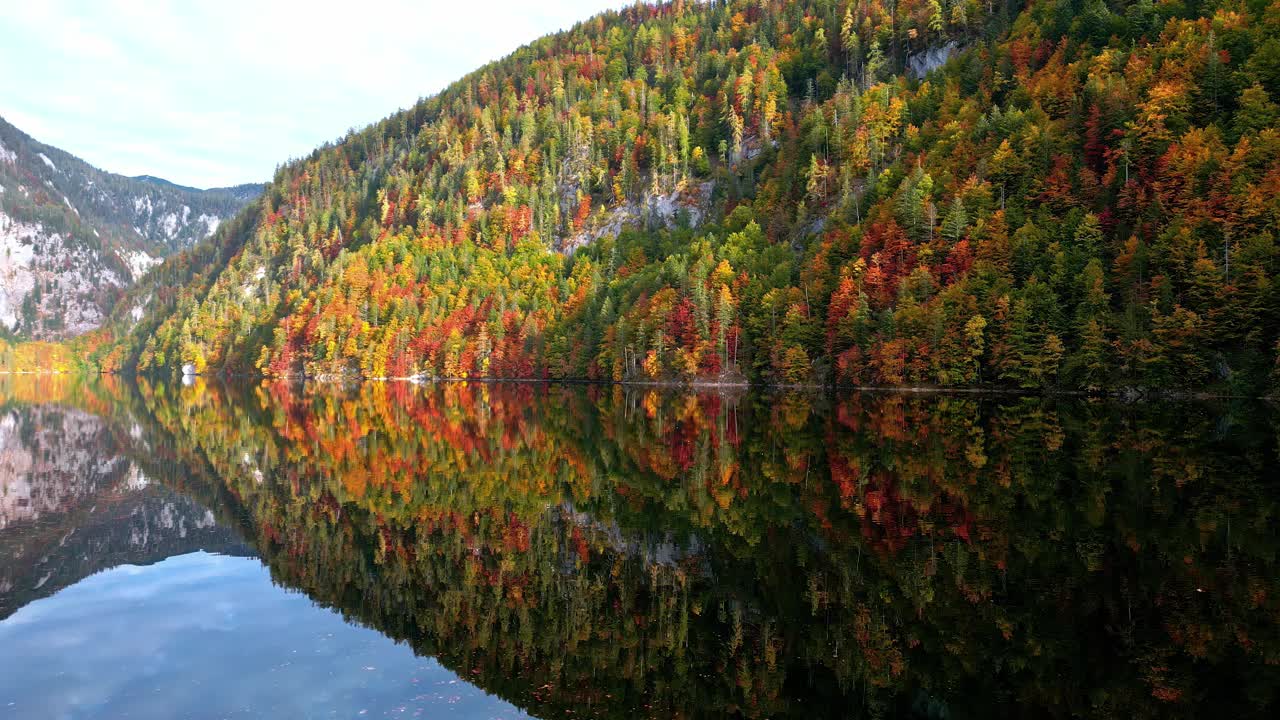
x=205, y=635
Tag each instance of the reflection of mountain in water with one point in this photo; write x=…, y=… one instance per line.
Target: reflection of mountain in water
x=594, y=553
x=73, y=503
x=600, y=554
x=50, y=458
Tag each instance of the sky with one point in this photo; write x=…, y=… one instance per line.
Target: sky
x=210, y=94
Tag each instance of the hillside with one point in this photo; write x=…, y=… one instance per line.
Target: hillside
x=74, y=237
x=1064, y=193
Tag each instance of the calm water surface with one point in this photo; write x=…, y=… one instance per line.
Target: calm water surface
x=503, y=551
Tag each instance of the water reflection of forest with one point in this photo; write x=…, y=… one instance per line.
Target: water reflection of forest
x=616, y=553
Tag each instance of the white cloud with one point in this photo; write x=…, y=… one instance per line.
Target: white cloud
x=220, y=93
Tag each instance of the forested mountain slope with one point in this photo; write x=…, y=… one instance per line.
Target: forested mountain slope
x=74, y=237
x=1056, y=194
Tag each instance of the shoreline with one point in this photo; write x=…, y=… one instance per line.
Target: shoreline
x=734, y=386
x=38, y=372
x=1124, y=395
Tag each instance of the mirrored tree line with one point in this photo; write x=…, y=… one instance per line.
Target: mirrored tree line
x=621, y=553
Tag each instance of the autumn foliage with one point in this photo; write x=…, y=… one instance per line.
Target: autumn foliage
x=1084, y=196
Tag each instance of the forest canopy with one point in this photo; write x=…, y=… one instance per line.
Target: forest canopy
x=1060, y=194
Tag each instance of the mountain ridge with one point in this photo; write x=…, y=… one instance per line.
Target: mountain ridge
x=76, y=236
x=248, y=191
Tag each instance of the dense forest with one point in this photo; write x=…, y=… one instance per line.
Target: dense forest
x=1057, y=194
x=604, y=552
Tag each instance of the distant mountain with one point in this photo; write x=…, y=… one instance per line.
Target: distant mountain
x=73, y=237
x=244, y=192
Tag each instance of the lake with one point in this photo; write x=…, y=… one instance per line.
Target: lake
x=479, y=550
